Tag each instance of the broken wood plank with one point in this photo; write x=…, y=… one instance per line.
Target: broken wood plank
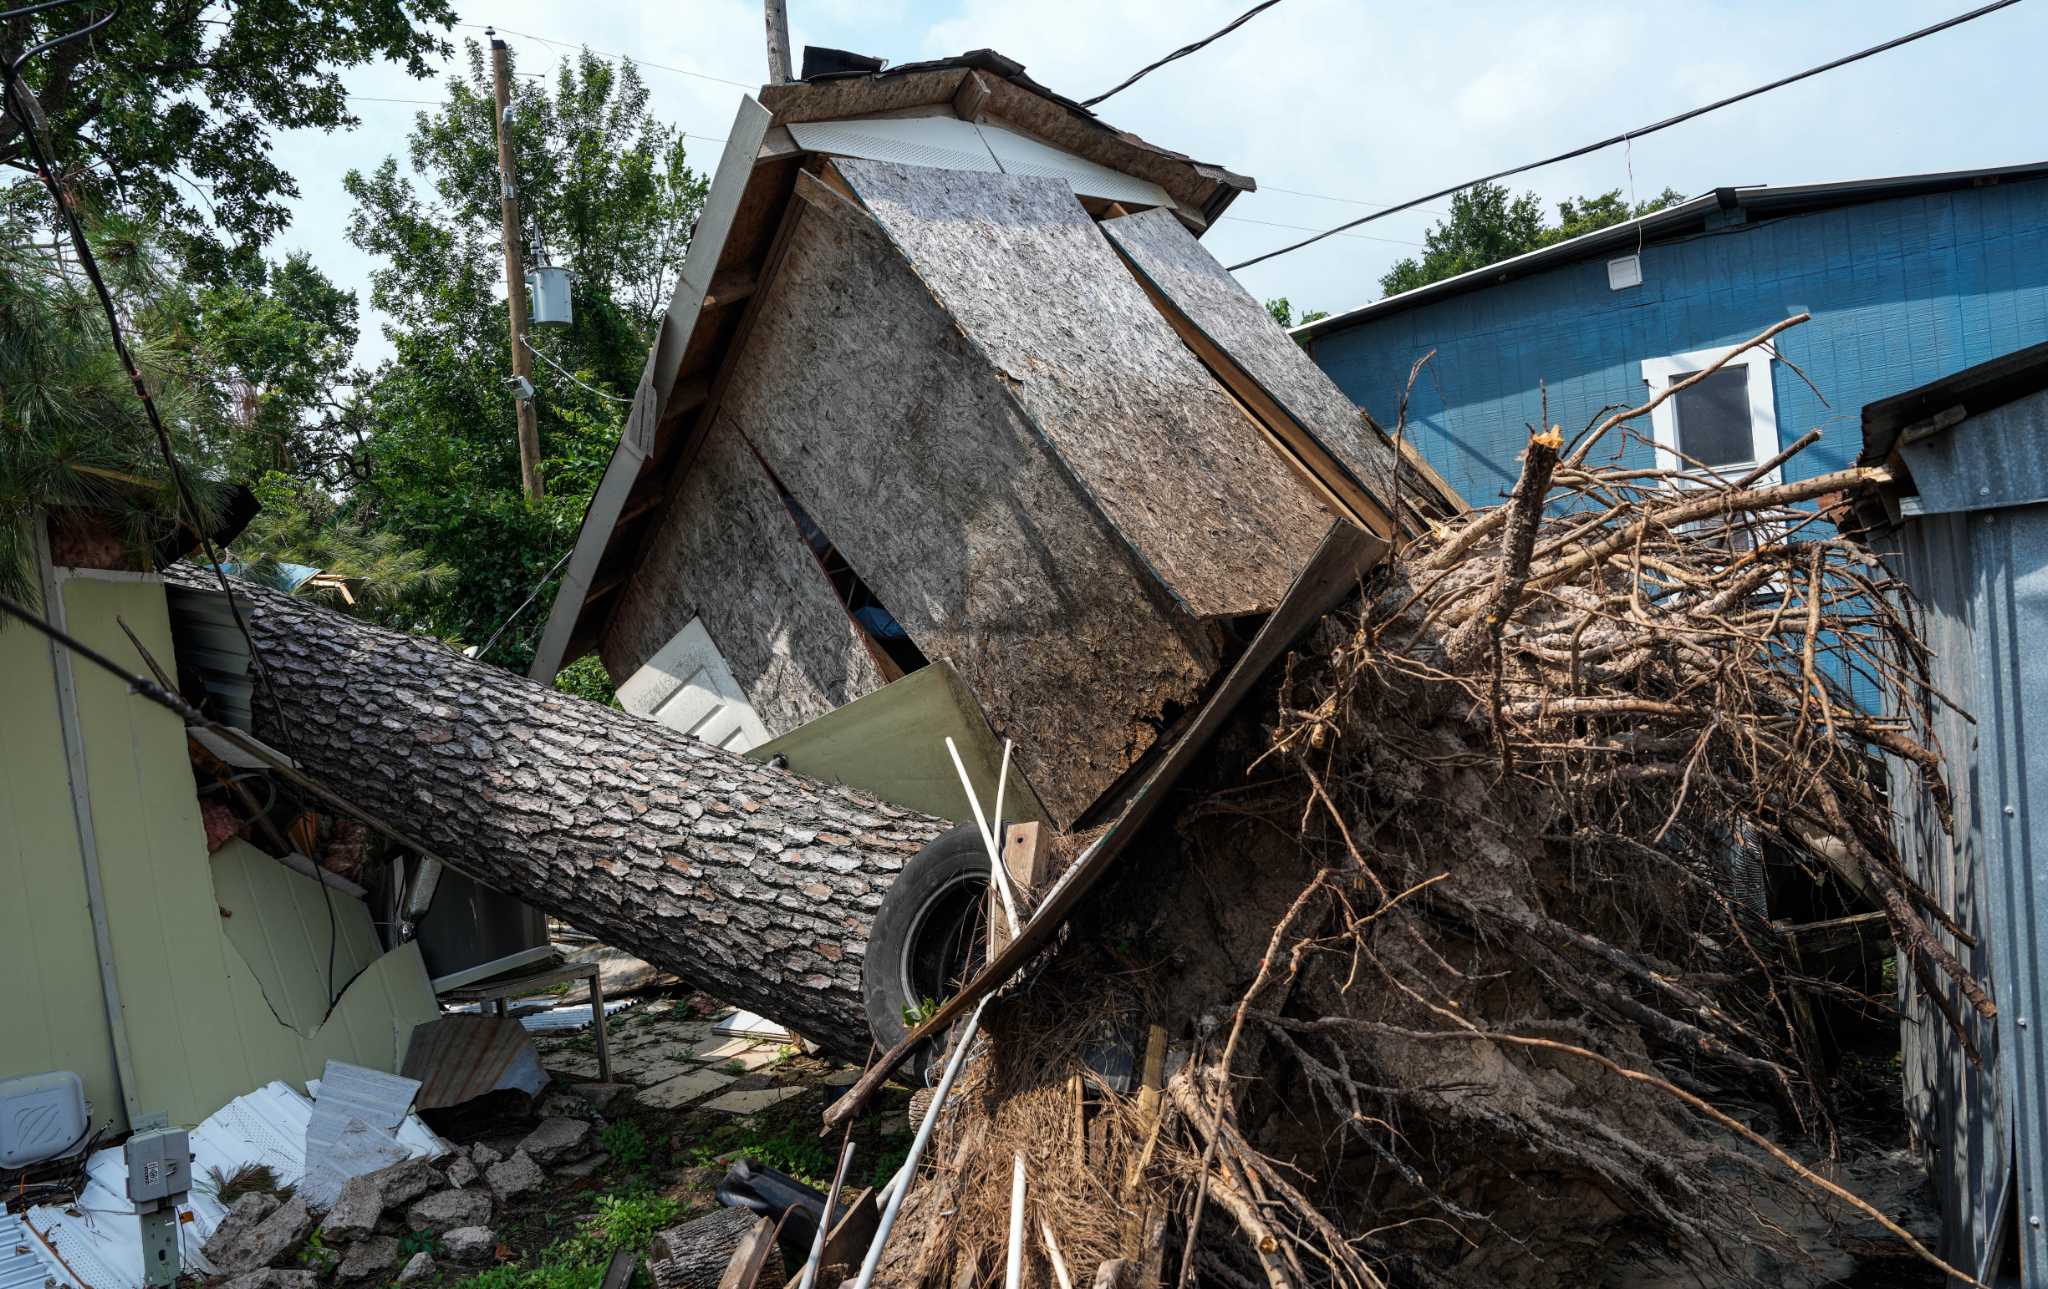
x=750, y=1258
x=910, y=454
x=730, y=287
x=848, y=1241
x=1339, y=562
x=618, y=1274
x=1036, y=289
x=1236, y=338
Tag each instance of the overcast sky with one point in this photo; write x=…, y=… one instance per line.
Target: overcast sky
x=1354, y=103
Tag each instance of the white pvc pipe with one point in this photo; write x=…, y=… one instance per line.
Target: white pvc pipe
x=1052, y=1251
x=997, y=873
x=1013, y=1273
x=825, y=1218
x=901, y=1185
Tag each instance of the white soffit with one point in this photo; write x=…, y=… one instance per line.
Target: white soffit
x=1020, y=154
x=946, y=142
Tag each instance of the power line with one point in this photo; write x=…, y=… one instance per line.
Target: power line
x=1664, y=124
x=1348, y=201
x=1182, y=52
x=641, y=62
x=429, y=102
x=13, y=96
x=1304, y=228
x=567, y=374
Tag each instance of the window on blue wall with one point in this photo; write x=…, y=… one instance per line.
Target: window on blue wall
x=1724, y=424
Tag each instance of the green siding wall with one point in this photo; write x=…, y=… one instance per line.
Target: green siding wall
x=52, y=1014
x=204, y=1022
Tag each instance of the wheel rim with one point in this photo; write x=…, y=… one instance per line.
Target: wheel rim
x=947, y=940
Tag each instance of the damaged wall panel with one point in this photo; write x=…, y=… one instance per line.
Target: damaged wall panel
x=886, y=423
x=200, y=1026
x=727, y=551
x=1169, y=456
x=1172, y=262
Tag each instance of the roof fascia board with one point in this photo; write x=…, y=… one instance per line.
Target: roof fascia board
x=714, y=224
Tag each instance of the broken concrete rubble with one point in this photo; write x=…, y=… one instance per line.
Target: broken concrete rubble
x=274, y=1278
x=418, y=1267
x=369, y=1259
x=355, y=1212
x=558, y=1140
x=472, y=1244
x=239, y=1246
x=462, y=1171
x=514, y=1178
x=406, y=1181
x=446, y=1209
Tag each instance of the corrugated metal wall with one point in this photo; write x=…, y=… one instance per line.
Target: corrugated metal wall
x=1981, y=573
x=1902, y=292
x=1956, y=1110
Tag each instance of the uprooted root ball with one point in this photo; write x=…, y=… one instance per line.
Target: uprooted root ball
x=1461, y=942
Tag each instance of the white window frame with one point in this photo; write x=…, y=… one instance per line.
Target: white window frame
x=1763, y=411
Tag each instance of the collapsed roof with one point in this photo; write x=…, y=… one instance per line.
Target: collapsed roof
x=966, y=330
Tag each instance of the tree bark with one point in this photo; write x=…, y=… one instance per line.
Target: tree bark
x=751, y=883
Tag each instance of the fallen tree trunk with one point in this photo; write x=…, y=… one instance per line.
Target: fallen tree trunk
x=749, y=882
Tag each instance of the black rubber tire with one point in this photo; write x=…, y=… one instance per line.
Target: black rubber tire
x=949, y=873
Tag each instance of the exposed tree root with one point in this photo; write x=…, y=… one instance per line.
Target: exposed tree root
x=1461, y=942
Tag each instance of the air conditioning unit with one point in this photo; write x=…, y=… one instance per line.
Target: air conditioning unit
x=41, y=1116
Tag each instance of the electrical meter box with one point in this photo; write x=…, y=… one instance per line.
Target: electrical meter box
x=159, y=1164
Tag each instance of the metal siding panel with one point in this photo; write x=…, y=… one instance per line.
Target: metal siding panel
x=1957, y=1111
x=2011, y=609
x=52, y=1013
x=1992, y=460
x=168, y=950
x=1902, y=292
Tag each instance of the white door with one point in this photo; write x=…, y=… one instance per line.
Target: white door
x=688, y=687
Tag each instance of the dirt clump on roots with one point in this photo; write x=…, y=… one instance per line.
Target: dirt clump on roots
x=1459, y=937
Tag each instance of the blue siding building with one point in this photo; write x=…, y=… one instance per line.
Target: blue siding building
x=1908, y=280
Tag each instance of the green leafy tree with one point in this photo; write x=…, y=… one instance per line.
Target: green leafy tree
x=1487, y=224
x=177, y=96
x=1282, y=310
x=608, y=195
x=1585, y=214
x=73, y=435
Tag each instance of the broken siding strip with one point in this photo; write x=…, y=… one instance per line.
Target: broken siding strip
x=1182, y=273
x=886, y=423
x=1032, y=284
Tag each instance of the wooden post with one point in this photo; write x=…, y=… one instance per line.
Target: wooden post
x=515, y=271
x=1027, y=856
x=604, y=1055
x=776, y=13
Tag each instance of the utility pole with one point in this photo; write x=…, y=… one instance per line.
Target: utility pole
x=777, y=14
x=515, y=277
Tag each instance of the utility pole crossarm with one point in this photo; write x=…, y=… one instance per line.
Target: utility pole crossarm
x=515, y=275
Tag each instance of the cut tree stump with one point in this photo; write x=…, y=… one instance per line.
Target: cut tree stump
x=751, y=883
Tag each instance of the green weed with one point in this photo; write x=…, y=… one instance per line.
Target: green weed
x=626, y=1143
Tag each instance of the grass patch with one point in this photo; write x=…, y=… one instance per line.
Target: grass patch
x=627, y=1220
x=786, y=1147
